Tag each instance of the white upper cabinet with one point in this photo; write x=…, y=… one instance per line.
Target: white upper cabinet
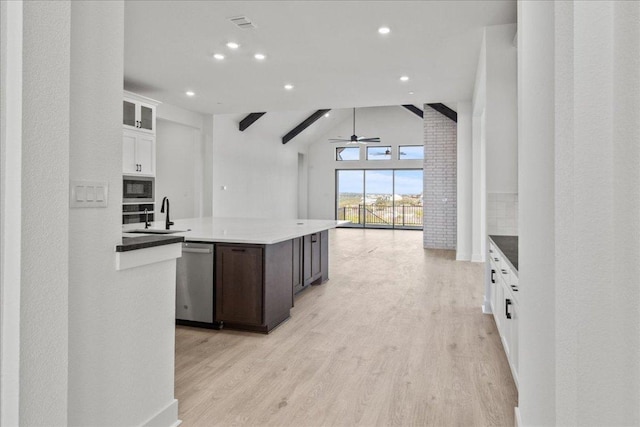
x=138, y=153
x=139, y=135
x=139, y=112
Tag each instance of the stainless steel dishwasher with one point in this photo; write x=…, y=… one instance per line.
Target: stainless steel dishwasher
x=195, y=297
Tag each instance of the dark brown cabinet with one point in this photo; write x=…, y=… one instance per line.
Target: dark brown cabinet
x=298, y=282
x=311, y=257
x=253, y=285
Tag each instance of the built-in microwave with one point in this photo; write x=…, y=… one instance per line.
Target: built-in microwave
x=137, y=189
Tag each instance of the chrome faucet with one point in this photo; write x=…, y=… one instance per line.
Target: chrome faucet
x=146, y=218
x=167, y=222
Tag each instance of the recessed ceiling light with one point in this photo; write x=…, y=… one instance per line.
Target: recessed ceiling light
x=411, y=93
x=384, y=30
x=326, y=115
x=259, y=56
x=233, y=45
x=218, y=56
x=288, y=87
x=189, y=93
x=404, y=78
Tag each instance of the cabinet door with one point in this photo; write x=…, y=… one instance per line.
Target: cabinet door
x=239, y=284
x=513, y=342
x=146, y=117
x=315, y=254
x=145, y=156
x=129, y=113
x=306, y=260
x=129, y=164
x=298, y=282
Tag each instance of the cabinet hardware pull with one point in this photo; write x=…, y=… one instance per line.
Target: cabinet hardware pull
x=507, y=303
x=314, y=238
x=504, y=271
x=496, y=259
x=237, y=250
x=493, y=280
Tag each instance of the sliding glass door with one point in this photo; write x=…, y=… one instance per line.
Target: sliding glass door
x=380, y=198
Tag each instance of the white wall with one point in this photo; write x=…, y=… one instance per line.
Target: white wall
x=11, y=42
x=179, y=169
x=479, y=102
x=395, y=126
x=259, y=172
x=96, y=345
x=464, y=182
x=44, y=282
x=495, y=99
x=183, y=162
x=501, y=109
x=121, y=323
x=580, y=204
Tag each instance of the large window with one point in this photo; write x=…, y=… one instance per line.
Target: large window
x=380, y=198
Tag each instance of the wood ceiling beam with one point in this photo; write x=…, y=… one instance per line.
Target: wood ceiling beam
x=444, y=110
x=249, y=120
x=415, y=110
x=302, y=126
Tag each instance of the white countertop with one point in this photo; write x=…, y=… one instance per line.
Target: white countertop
x=241, y=230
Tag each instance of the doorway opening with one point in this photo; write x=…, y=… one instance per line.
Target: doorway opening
x=380, y=198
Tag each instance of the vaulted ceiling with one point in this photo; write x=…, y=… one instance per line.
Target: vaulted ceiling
x=330, y=51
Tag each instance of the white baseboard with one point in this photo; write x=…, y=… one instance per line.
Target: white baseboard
x=486, y=307
x=517, y=417
x=168, y=417
x=463, y=257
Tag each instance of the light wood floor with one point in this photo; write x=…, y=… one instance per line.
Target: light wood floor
x=395, y=337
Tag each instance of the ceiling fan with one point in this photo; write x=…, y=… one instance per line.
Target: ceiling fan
x=355, y=139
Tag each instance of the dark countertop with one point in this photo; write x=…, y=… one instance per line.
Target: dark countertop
x=141, y=242
x=508, y=245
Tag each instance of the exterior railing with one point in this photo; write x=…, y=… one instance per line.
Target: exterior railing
x=392, y=216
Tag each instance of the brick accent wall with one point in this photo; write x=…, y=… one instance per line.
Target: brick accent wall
x=440, y=175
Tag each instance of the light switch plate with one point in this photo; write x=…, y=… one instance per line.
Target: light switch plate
x=88, y=194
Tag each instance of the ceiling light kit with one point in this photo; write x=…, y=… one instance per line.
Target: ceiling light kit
x=354, y=139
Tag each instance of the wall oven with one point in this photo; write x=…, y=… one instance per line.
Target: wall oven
x=138, y=196
x=135, y=212
x=137, y=189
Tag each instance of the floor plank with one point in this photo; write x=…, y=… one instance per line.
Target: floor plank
x=396, y=337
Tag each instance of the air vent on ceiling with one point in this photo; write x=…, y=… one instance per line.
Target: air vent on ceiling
x=242, y=22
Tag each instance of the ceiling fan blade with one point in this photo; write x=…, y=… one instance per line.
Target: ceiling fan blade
x=339, y=140
x=363, y=139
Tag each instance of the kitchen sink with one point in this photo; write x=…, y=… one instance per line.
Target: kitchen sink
x=154, y=231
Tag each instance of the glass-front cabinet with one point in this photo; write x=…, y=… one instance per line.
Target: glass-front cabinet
x=139, y=112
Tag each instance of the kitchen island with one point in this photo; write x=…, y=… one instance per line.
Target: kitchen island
x=258, y=266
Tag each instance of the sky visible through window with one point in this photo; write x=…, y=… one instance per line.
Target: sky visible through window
x=381, y=181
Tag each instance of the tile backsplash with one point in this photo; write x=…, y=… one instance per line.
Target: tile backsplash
x=502, y=214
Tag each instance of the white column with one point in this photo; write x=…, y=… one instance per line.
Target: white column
x=536, y=214
x=464, y=182
x=579, y=209
x=10, y=208
x=44, y=299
